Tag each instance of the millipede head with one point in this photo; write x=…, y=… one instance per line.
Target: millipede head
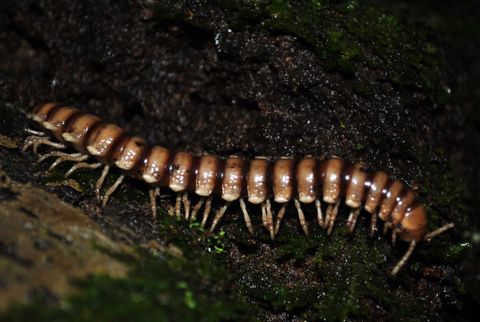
x=413, y=226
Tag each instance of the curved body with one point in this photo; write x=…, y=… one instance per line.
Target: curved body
x=258, y=180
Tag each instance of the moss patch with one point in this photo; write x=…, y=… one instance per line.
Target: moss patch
x=252, y=78
x=190, y=285
x=346, y=35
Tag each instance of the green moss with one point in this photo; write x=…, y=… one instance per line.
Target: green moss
x=346, y=35
x=347, y=273
x=346, y=280
x=457, y=251
x=159, y=287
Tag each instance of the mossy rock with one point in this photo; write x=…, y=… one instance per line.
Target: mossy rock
x=270, y=78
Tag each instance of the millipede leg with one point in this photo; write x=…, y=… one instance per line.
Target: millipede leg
x=404, y=259
x=333, y=215
x=186, y=204
x=35, y=133
x=62, y=156
x=196, y=208
x=178, y=204
x=264, y=214
x=439, y=231
x=36, y=141
x=58, y=154
x=246, y=216
x=218, y=216
x=386, y=226
x=81, y=165
x=280, y=215
x=318, y=205
x=153, y=194
x=206, y=211
x=59, y=160
x=328, y=215
x=112, y=190
x=352, y=219
x=395, y=233
x=100, y=181
x=301, y=217
x=270, y=219
x=373, y=224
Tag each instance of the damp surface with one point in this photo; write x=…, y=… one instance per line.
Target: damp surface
x=271, y=78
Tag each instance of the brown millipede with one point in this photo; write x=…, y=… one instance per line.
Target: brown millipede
x=305, y=181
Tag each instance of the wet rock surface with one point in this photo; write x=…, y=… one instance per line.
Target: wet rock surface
x=47, y=244
x=253, y=78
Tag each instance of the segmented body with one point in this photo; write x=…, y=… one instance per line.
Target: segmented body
x=304, y=181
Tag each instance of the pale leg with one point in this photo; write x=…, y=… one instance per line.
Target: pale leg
x=82, y=165
x=404, y=259
x=386, y=226
x=99, y=184
x=352, y=219
x=36, y=141
x=395, y=233
x=270, y=219
x=332, y=214
x=373, y=224
x=206, y=211
x=328, y=215
x=35, y=133
x=301, y=217
x=153, y=194
x=439, y=231
x=186, y=204
x=280, y=215
x=196, y=208
x=112, y=190
x=318, y=205
x=178, y=204
x=246, y=216
x=62, y=156
x=264, y=214
x=218, y=216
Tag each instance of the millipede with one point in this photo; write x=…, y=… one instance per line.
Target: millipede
x=308, y=180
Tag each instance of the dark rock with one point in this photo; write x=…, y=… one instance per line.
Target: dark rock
x=253, y=78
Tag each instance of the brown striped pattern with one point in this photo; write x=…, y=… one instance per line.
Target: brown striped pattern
x=306, y=180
